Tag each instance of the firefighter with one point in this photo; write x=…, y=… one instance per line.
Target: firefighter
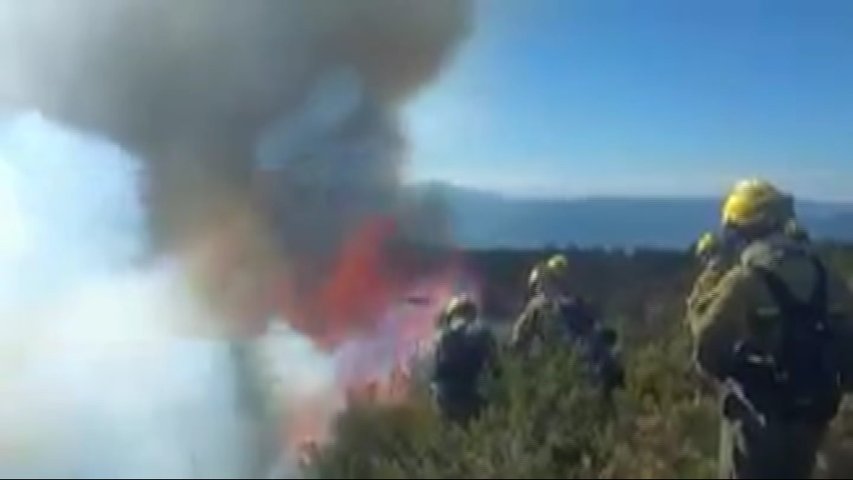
x=465, y=351
x=797, y=232
x=706, y=247
x=554, y=318
x=767, y=330
x=716, y=254
x=552, y=314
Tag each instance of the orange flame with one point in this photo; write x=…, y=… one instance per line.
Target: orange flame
x=361, y=284
x=375, y=316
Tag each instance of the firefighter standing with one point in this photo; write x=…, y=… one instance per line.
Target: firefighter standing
x=553, y=318
x=465, y=351
x=551, y=315
x=766, y=327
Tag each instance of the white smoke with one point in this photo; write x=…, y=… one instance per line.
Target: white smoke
x=48, y=238
x=100, y=372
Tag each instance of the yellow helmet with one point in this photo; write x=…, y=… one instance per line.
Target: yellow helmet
x=461, y=306
x=757, y=203
x=706, y=244
x=558, y=266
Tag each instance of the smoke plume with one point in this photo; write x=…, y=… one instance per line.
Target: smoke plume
x=191, y=85
x=272, y=150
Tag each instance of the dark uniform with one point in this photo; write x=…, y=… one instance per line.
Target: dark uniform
x=465, y=350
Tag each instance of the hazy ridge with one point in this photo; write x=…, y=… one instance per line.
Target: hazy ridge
x=483, y=219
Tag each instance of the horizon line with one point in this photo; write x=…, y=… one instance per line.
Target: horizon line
x=533, y=196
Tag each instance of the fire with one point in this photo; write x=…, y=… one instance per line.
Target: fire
x=376, y=317
x=373, y=317
x=385, y=357
x=368, y=290
x=379, y=368
x=361, y=284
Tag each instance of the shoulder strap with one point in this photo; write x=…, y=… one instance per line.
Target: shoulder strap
x=779, y=291
x=786, y=300
x=820, y=298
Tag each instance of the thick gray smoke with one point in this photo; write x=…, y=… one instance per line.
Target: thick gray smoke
x=294, y=100
x=190, y=85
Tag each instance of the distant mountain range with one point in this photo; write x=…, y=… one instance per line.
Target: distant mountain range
x=482, y=219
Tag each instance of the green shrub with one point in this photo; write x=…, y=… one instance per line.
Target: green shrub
x=545, y=421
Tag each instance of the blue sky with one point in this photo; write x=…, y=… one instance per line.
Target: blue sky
x=558, y=97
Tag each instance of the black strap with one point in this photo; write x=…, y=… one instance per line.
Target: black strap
x=817, y=304
x=801, y=379
x=820, y=299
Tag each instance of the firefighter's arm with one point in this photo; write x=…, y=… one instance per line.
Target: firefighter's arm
x=492, y=355
x=524, y=328
x=723, y=321
x=841, y=315
x=699, y=296
x=492, y=350
x=841, y=303
x=435, y=359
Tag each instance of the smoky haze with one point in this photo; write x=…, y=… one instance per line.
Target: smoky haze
x=191, y=85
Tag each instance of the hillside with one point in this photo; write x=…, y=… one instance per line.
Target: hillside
x=543, y=421
x=483, y=220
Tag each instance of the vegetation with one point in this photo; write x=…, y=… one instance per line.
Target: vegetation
x=544, y=421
